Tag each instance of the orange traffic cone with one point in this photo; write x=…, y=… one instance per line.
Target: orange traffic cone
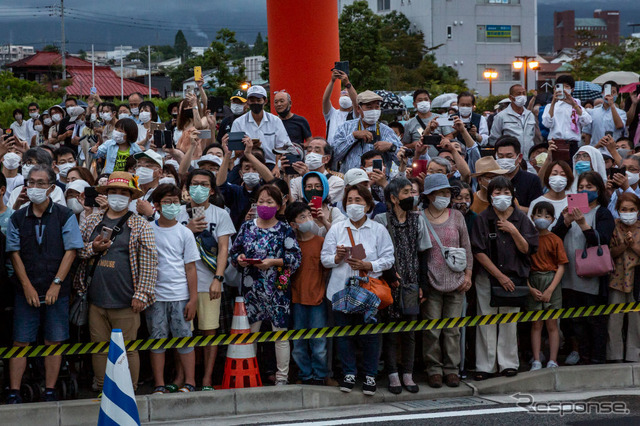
x=241, y=367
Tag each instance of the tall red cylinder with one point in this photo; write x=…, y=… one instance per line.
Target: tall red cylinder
x=303, y=46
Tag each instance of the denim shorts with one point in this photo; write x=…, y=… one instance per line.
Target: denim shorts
x=27, y=319
x=166, y=319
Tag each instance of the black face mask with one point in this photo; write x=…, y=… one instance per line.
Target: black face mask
x=187, y=113
x=284, y=113
x=256, y=108
x=308, y=195
x=406, y=204
x=175, y=115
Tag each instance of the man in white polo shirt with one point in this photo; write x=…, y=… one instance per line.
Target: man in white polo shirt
x=259, y=124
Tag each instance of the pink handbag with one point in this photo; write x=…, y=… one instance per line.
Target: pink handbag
x=594, y=261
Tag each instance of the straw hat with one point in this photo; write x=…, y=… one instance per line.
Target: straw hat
x=488, y=165
x=122, y=180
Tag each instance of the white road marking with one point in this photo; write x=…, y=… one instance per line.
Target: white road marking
x=403, y=417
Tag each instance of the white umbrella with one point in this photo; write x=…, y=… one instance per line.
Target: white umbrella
x=620, y=77
x=444, y=100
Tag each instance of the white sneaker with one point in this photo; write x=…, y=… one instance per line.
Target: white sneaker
x=552, y=364
x=573, y=358
x=536, y=365
x=282, y=382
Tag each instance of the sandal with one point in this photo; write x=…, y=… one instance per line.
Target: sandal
x=509, y=372
x=187, y=388
x=480, y=375
x=206, y=388
x=172, y=388
x=158, y=390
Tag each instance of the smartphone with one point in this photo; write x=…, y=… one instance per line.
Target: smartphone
x=216, y=104
x=316, y=202
x=158, y=138
x=613, y=170
x=578, y=201
x=348, y=250
x=205, y=134
x=487, y=152
x=8, y=132
x=562, y=151
x=253, y=212
x=560, y=88
x=419, y=166
x=235, y=141
x=358, y=252
x=156, y=126
x=106, y=233
x=445, y=121
x=431, y=140
x=197, y=211
x=197, y=73
x=253, y=261
x=342, y=66
x=90, y=195
x=608, y=133
x=409, y=153
x=607, y=89
x=291, y=158
x=377, y=164
x=93, y=91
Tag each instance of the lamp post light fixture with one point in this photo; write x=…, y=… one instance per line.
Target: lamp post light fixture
x=490, y=74
x=524, y=62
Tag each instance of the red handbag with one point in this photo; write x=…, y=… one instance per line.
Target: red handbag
x=594, y=261
x=377, y=286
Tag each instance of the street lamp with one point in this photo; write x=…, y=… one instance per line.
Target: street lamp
x=524, y=62
x=490, y=75
x=245, y=86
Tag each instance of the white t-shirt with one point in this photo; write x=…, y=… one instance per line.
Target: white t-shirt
x=334, y=119
x=176, y=247
x=220, y=224
x=12, y=183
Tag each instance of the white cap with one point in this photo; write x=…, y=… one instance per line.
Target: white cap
x=210, y=159
x=77, y=185
x=256, y=92
x=172, y=162
x=355, y=176
x=150, y=153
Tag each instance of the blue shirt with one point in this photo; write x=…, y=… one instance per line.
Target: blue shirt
x=349, y=150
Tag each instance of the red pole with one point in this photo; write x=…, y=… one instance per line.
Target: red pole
x=303, y=45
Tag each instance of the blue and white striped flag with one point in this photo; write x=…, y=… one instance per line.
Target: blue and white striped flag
x=118, y=405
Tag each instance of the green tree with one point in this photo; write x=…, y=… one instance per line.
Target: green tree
x=361, y=45
x=83, y=54
x=264, y=74
x=259, y=46
x=51, y=48
x=240, y=50
x=181, y=46
x=591, y=62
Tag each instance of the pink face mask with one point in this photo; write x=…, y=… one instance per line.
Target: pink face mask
x=266, y=212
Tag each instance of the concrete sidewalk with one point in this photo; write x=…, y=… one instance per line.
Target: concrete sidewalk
x=173, y=407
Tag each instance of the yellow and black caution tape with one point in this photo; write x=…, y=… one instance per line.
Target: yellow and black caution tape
x=314, y=333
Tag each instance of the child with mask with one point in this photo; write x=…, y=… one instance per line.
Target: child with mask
x=547, y=269
x=308, y=305
x=176, y=287
x=121, y=146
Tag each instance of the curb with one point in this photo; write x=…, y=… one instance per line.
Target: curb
x=159, y=408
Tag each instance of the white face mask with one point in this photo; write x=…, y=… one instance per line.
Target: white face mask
x=123, y=115
x=34, y=115
x=629, y=218
x=345, y=102
x=371, y=116
x=355, y=212
x=501, y=202
x=251, y=179
x=633, y=178
x=520, y=100
x=145, y=175
x=38, y=128
x=37, y=195
x=237, y=109
x=47, y=122
x=441, y=203
x=308, y=226
x=313, y=161
x=11, y=160
x=507, y=164
x=117, y=136
x=465, y=111
x=18, y=117
x=117, y=202
x=75, y=205
x=26, y=169
x=167, y=179
x=56, y=118
x=64, y=168
x=423, y=107
x=145, y=116
x=558, y=183
x=106, y=116
x=135, y=111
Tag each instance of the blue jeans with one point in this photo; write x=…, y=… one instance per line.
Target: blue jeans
x=310, y=354
x=52, y=319
x=370, y=345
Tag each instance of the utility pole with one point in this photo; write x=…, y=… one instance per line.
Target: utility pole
x=64, y=60
x=121, y=74
x=93, y=67
x=149, y=72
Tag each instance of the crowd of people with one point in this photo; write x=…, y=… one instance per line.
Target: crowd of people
x=159, y=226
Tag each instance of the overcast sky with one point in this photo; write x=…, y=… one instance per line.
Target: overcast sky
x=141, y=22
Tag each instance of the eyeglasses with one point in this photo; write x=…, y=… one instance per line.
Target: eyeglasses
x=168, y=203
x=583, y=156
x=311, y=187
x=38, y=183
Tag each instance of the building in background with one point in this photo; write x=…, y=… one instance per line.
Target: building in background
x=473, y=35
x=12, y=53
x=253, y=67
x=570, y=32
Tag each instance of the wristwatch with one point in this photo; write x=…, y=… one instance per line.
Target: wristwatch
x=219, y=278
x=57, y=281
x=393, y=149
x=347, y=86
